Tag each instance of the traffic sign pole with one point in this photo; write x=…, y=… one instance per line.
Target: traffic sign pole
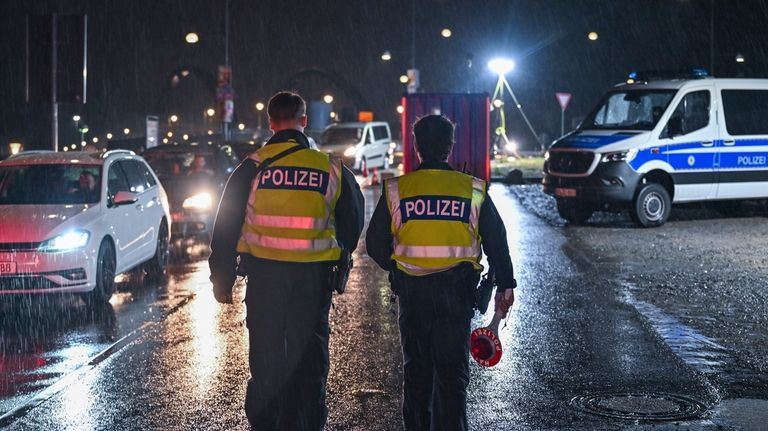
x=563, y=99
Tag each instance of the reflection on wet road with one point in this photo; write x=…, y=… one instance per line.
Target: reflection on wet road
x=585, y=324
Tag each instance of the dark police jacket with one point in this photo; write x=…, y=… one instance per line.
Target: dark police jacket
x=378, y=239
x=232, y=209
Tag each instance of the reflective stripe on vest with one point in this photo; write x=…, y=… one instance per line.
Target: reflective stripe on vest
x=444, y=208
x=287, y=217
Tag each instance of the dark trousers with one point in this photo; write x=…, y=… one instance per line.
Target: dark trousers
x=435, y=314
x=287, y=318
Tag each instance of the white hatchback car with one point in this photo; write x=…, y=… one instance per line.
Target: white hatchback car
x=71, y=221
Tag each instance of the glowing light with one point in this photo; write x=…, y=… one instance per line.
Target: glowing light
x=185, y=137
x=328, y=98
x=210, y=112
x=241, y=126
x=498, y=103
x=404, y=79
x=109, y=135
x=76, y=118
x=501, y=66
x=332, y=114
x=95, y=140
x=446, y=33
x=174, y=118
x=592, y=36
x=386, y=56
x=400, y=109
x=169, y=134
x=126, y=131
x=15, y=147
x=259, y=106
x=165, y=140
x=83, y=143
x=192, y=37
x=740, y=58
x=210, y=132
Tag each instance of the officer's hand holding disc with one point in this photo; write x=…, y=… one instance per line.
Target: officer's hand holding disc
x=504, y=300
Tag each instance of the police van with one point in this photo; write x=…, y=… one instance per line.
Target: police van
x=651, y=143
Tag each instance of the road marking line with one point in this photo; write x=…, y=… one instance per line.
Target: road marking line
x=40, y=397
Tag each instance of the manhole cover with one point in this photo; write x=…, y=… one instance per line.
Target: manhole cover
x=640, y=406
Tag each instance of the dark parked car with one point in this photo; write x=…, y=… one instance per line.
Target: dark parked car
x=193, y=177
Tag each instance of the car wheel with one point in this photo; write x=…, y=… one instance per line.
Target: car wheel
x=574, y=212
x=105, y=276
x=156, y=267
x=651, y=206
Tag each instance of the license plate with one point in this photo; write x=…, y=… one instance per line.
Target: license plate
x=7, y=268
x=565, y=193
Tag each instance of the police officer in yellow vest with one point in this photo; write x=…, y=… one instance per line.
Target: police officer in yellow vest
x=427, y=230
x=283, y=225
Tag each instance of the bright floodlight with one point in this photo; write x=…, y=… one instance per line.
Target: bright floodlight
x=501, y=66
x=740, y=58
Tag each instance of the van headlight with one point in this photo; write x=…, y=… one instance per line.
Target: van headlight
x=71, y=240
x=619, y=156
x=350, y=151
x=200, y=201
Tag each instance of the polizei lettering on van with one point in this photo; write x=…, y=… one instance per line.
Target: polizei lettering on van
x=435, y=208
x=294, y=178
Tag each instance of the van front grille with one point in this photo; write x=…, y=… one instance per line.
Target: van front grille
x=570, y=162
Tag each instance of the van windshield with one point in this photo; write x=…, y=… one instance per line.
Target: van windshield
x=629, y=110
x=341, y=135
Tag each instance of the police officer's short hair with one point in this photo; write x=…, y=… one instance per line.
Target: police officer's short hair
x=434, y=137
x=286, y=105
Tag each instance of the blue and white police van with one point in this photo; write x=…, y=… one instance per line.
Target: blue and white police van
x=650, y=143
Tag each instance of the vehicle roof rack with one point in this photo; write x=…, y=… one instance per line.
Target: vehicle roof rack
x=657, y=75
x=106, y=154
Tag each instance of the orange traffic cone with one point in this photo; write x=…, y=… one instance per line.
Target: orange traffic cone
x=375, y=177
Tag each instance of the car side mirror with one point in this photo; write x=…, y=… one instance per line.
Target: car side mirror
x=675, y=127
x=124, y=198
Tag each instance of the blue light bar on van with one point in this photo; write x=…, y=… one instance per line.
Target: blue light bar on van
x=655, y=75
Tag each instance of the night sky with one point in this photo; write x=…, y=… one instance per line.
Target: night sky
x=322, y=46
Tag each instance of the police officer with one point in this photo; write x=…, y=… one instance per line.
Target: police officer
x=427, y=230
x=282, y=228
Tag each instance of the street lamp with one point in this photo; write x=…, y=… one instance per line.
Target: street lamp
x=403, y=79
x=400, y=109
x=15, y=147
x=740, y=58
x=259, y=107
x=592, y=35
x=76, y=118
x=328, y=99
x=109, y=135
x=241, y=126
x=210, y=112
x=192, y=38
x=126, y=131
x=386, y=56
x=174, y=118
x=446, y=33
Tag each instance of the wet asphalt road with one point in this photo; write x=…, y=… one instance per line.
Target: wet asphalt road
x=602, y=308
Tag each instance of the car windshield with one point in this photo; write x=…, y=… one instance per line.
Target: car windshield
x=181, y=164
x=629, y=110
x=342, y=135
x=50, y=184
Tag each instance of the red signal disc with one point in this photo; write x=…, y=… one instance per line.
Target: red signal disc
x=485, y=347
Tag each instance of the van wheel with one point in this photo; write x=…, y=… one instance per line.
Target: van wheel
x=574, y=212
x=156, y=267
x=105, y=277
x=651, y=206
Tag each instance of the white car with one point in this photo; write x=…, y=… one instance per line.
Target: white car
x=71, y=221
x=361, y=145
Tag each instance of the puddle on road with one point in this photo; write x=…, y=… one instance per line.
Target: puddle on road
x=694, y=348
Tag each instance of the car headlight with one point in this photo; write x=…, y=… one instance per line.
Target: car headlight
x=71, y=240
x=619, y=156
x=200, y=201
x=350, y=151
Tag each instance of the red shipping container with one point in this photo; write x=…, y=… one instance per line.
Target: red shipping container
x=471, y=112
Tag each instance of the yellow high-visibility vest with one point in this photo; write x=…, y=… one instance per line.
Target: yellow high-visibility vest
x=290, y=211
x=435, y=217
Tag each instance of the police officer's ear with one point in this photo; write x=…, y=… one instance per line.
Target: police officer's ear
x=303, y=120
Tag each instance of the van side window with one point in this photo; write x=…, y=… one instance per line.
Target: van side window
x=380, y=132
x=745, y=111
x=691, y=114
